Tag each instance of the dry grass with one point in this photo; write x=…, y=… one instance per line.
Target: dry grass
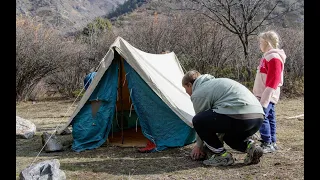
x=108, y=162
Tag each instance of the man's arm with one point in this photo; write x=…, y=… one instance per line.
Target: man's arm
x=199, y=142
x=200, y=104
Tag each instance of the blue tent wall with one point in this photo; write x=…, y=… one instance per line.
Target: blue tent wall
x=91, y=132
x=158, y=122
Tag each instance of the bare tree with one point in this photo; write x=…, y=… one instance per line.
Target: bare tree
x=84, y=56
x=294, y=48
x=38, y=54
x=147, y=34
x=208, y=46
x=242, y=17
x=294, y=66
x=69, y=76
x=197, y=41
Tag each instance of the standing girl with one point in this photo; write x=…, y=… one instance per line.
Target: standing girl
x=268, y=80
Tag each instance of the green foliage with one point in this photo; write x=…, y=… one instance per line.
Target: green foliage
x=228, y=72
x=97, y=26
x=293, y=87
x=248, y=84
x=238, y=74
x=126, y=7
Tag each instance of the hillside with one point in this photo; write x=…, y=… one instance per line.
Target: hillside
x=166, y=8
x=73, y=15
x=66, y=15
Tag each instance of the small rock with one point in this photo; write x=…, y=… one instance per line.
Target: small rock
x=25, y=129
x=53, y=143
x=65, y=131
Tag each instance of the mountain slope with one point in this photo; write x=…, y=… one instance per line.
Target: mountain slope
x=66, y=15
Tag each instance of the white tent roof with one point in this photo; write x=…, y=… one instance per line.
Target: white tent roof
x=162, y=72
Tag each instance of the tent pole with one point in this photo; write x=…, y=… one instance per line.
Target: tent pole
x=121, y=99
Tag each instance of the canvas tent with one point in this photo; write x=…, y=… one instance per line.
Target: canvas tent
x=134, y=89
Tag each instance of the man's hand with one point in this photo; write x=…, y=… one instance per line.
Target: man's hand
x=197, y=153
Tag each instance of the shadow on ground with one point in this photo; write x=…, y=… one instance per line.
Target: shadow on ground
x=116, y=160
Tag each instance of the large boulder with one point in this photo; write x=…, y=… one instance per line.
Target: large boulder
x=45, y=170
x=25, y=129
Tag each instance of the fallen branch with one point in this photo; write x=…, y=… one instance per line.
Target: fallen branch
x=295, y=116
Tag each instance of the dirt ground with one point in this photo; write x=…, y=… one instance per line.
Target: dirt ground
x=110, y=162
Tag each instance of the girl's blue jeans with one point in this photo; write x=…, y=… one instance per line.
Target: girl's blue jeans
x=268, y=127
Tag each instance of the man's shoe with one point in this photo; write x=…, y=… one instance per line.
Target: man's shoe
x=223, y=159
x=254, y=153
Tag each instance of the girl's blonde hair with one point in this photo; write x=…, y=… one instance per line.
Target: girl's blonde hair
x=271, y=37
x=190, y=77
